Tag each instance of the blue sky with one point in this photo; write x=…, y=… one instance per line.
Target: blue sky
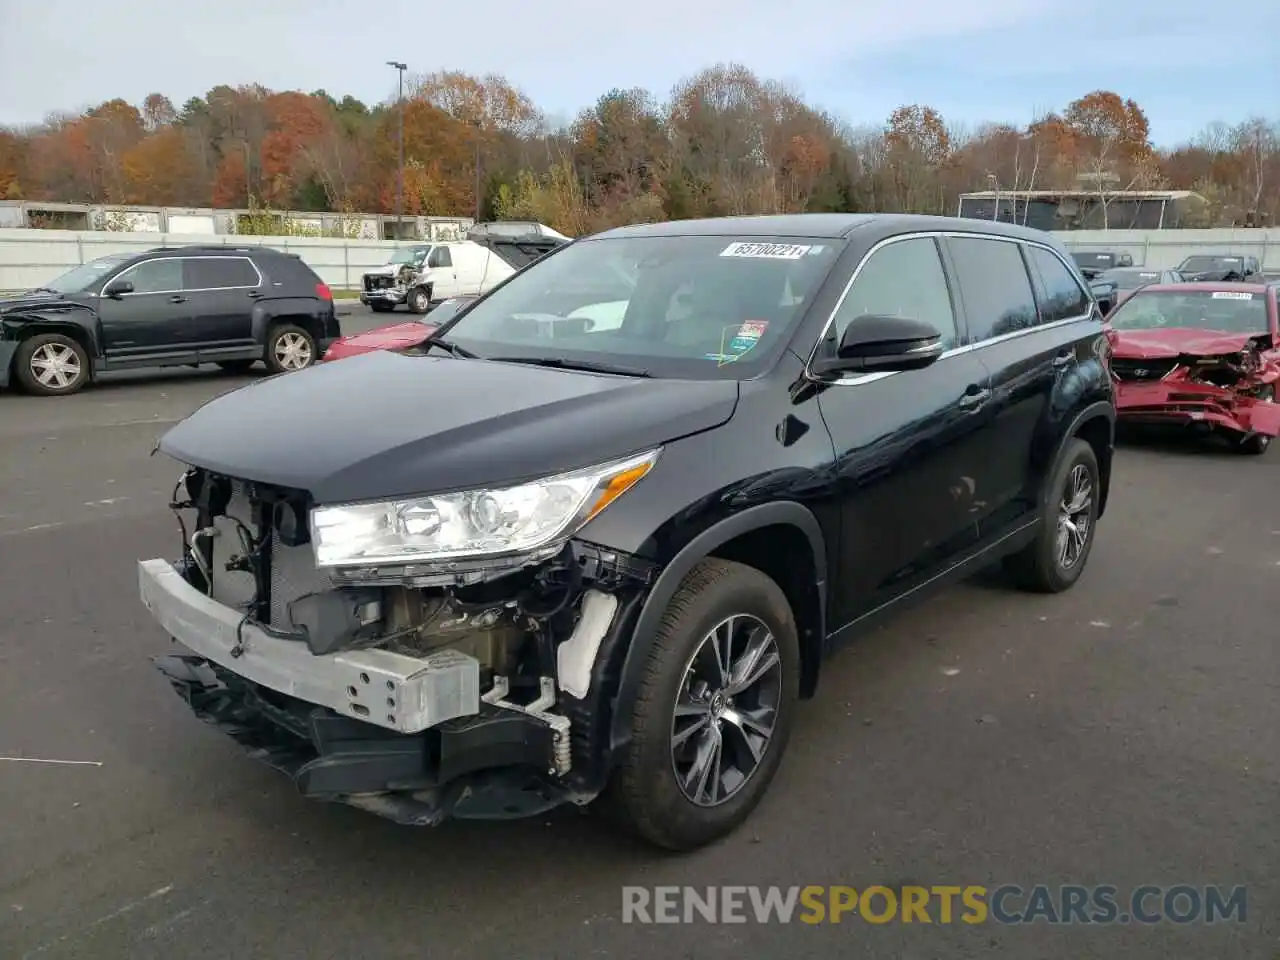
x=1187, y=63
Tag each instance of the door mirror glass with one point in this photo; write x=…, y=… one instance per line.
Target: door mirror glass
x=883, y=343
x=117, y=288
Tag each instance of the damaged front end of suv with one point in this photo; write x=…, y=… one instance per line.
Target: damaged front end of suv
x=419, y=658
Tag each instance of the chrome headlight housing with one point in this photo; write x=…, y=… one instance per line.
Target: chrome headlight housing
x=472, y=524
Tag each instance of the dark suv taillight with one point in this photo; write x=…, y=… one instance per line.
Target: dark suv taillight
x=323, y=291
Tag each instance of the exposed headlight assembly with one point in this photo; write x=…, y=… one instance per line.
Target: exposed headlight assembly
x=472, y=524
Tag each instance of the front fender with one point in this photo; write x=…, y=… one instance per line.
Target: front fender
x=673, y=574
x=74, y=319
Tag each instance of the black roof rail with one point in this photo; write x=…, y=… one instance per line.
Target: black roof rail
x=217, y=247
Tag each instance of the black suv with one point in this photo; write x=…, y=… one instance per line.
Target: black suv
x=592, y=542
x=170, y=306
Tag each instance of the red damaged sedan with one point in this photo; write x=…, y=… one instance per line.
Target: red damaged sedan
x=395, y=336
x=1203, y=355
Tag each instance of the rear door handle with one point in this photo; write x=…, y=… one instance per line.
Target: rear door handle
x=177, y=299
x=1063, y=360
x=974, y=397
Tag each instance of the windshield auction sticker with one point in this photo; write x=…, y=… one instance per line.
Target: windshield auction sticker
x=765, y=251
x=1232, y=295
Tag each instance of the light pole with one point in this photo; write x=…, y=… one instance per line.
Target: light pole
x=400, y=68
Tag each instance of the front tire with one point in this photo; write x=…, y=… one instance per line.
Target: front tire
x=51, y=365
x=290, y=348
x=714, y=711
x=1256, y=444
x=1054, y=561
x=419, y=300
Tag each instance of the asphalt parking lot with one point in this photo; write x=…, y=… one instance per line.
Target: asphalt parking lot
x=1124, y=733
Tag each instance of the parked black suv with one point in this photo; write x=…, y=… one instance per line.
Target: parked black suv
x=170, y=306
x=584, y=551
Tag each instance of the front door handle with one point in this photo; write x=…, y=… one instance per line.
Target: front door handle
x=177, y=299
x=1063, y=360
x=974, y=397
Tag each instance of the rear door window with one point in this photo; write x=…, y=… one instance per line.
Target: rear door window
x=995, y=286
x=219, y=273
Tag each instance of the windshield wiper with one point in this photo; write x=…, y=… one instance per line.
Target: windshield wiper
x=562, y=363
x=453, y=348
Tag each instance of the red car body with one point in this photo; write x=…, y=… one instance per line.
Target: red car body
x=1193, y=375
x=395, y=336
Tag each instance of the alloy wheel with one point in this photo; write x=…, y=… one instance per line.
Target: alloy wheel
x=56, y=366
x=1075, y=517
x=292, y=351
x=726, y=710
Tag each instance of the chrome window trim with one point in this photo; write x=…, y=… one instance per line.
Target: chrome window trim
x=180, y=260
x=857, y=379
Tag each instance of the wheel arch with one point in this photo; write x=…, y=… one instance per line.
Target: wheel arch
x=37, y=325
x=795, y=558
x=297, y=314
x=1096, y=426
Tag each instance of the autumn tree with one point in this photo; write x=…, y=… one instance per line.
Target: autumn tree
x=1112, y=138
x=917, y=147
x=724, y=141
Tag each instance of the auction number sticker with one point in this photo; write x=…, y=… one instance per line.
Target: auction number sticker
x=1231, y=295
x=766, y=251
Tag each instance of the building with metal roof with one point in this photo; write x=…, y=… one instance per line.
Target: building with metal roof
x=1055, y=210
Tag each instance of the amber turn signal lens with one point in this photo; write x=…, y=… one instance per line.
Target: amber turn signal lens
x=618, y=485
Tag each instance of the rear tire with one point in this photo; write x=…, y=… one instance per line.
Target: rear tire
x=289, y=348
x=1054, y=561
x=686, y=710
x=51, y=365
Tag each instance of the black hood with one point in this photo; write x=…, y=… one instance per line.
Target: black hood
x=41, y=299
x=386, y=425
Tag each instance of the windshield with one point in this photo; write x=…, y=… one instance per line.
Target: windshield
x=1228, y=311
x=87, y=275
x=1130, y=279
x=409, y=255
x=685, y=307
x=1202, y=264
x=444, y=312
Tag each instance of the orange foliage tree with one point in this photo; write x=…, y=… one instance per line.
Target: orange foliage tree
x=724, y=141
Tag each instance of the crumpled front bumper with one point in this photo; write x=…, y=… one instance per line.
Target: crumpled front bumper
x=419, y=765
x=392, y=295
x=1183, y=402
x=404, y=694
x=7, y=349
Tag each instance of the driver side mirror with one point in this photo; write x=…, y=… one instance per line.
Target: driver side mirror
x=117, y=288
x=873, y=344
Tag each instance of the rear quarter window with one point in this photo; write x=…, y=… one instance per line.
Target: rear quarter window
x=295, y=275
x=1064, y=298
